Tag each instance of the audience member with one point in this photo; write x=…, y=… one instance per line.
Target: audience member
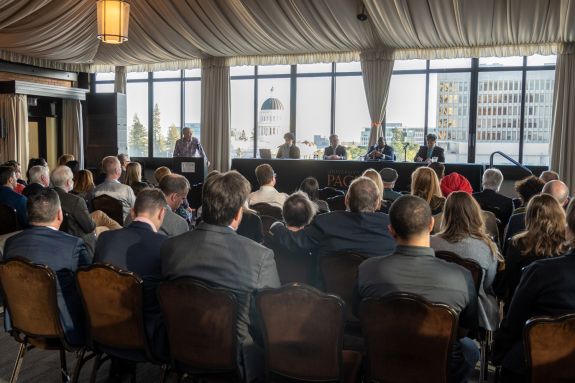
x=251, y=226
x=558, y=190
x=438, y=168
x=455, y=182
x=464, y=233
x=38, y=179
x=380, y=151
x=34, y=162
x=112, y=187
x=544, y=237
x=413, y=268
x=298, y=211
x=20, y=184
x=214, y=253
x=389, y=177
x=9, y=197
x=430, y=152
x=288, y=149
x=160, y=172
x=376, y=178
x=334, y=151
x=84, y=186
x=527, y=188
x=124, y=161
x=546, y=288
x=549, y=175
x=491, y=200
x=74, y=167
x=136, y=248
x=134, y=177
x=267, y=192
x=425, y=184
x=310, y=186
x=361, y=229
x=44, y=244
x=65, y=158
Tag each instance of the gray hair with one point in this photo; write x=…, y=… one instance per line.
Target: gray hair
x=35, y=173
x=61, y=175
x=492, y=179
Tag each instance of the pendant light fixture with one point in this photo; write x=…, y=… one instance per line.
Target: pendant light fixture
x=113, y=20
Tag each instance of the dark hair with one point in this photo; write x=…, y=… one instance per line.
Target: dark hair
x=438, y=168
x=264, y=174
x=84, y=182
x=74, y=167
x=43, y=206
x=6, y=172
x=174, y=183
x=431, y=137
x=222, y=196
x=122, y=157
x=363, y=195
x=290, y=136
x=35, y=162
x=298, y=210
x=149, y=201
x=310, y=186
x=410, y=215
x=528, y=187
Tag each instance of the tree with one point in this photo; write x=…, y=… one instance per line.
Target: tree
x=138, y=138
x=398, y=143
x=173, y=136
x=159, y=141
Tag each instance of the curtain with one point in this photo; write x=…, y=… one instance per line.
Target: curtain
x=73, y=130
x=376, y=69
x=215, y=127
x=120, y=79
x=14, y=121
x=563, y=135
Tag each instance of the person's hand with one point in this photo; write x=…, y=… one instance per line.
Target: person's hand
x=428, y=161
x=418, y=159
x=377, y=154
x=333, y=157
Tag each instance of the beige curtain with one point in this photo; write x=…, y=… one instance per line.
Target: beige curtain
x=215, y=134
x=73, y=129
x=376, y=69
x=563, y=135
x=14, y=119
x=120, y=79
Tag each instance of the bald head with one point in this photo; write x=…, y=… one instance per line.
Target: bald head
x=558, y=190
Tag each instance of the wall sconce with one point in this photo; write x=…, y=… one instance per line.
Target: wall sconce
x=113, y=20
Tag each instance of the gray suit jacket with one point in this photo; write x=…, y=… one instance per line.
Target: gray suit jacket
x=172, y=225
x=78, y=219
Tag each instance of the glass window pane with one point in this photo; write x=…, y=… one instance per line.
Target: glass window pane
x=137, y=103
x=498, y=115
x=196, y=72
x=273, y=112
x=500, y=61
x=538, y=60
x=538, y=117
x=449, y=113
x=242, y=118
x=137, y=76
x=354, y=66
x=314, y=68
x=193, y=107
x=166, y=117
x=168, y=74
x=274, y=69
x=244, y=70
x=450, y=63
x=352, y=121
x=110, y=76
x=405, y=114
x=409, y=64
x=104, y=88
x=313, y=114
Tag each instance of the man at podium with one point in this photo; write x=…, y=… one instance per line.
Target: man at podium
x=189, y=146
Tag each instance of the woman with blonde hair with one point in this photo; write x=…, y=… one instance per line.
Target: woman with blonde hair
x=376, y=177
x=65, y=158
x=463, y=233
x=134, y=177
x=425, y=184
x=544, y=237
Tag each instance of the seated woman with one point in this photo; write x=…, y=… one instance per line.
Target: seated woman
x=376, y=177
x=544, y=237
x=463, y=233
x=527, y=188
x=425, y=184
x=134, y=177
x=310, y=186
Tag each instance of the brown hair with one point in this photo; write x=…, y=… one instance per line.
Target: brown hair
x=528, y=187
x=439, y=169
x=133, y=173
x=64, y=158
x=544, y=234
x=264, y=174
x=462, y=218
x=363, y=196
x=223, y=195
x=161, y=172
x=375, y=177
x=84, y=182
x=425, y=184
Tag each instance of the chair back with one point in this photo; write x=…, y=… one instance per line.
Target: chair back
x=336, y=203
x=195, y=195
x=408, y=339
x=338, y=274
x=202, y=325
x=113, y=302
x=267, y=209
x=327, y=192
x=8, y=219
x=550, y=348
x=303, y=333
x=267, y=222
x=30, y=295
x=292, y=266
x=469, y=264
x=111, y=206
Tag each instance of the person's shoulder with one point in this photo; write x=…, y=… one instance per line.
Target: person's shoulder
x=439, y=149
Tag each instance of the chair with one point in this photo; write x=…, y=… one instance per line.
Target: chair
x=550, y=348
x=408, y=339
x=113, y=301
x=303, y=336
x=29, y=293
x=336, y=203
x=111, y=206
x=293, y=266
x=202, y=331
x=267, y=222
x=328, y=192
x=267, y=209
x=195, y=195
x=8, y=220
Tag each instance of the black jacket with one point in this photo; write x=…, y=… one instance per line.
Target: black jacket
x=78, y=220
x=496, y=203
x=437, y=152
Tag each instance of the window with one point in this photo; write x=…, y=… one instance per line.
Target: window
x=192, y=107
x=242, y=119
x=137, y=103
x=539, y=102
x=352, y=121
x=313, y=114
x=273, y=112
x=166, y=117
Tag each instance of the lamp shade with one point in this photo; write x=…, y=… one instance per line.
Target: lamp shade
x=113, y=20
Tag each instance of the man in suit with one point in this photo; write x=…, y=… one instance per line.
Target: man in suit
x=10, y=198
x=430, y=151
x=213, y=252
x=413, y=268
x=38, y=179
x=380, y=151
x=334, y=151
x=112, y=187
x=44, y=244
x=490, y=200
x=78, y=219
x=360, y=229
x=136, y=248
x=289, y=149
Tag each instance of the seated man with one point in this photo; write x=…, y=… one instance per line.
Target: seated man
x=548, y=175
x=430, y=152
x=289, y=149
x=414, y=269
x=38, y=178
x=124, y=161
x=360, y=229
x=559, y=190
x=334, y=151
x=267, y=192
x=136, y=248
x=389, y=177
x=213, y=252
x=10, y=198
x=491, y=200
x=112, y=187
x=42, y=243
x=380, y=151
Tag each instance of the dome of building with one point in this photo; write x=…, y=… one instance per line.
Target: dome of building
x=272, y=103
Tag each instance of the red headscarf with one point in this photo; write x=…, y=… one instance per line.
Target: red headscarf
x=455, y=182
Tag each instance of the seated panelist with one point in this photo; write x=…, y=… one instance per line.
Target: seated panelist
x=334, y=151
x=431, y=151
x=380, y=151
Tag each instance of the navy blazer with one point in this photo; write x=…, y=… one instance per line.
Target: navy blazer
x=437, y=152
x=387, y=151
x=16, y=201
x=63, y=254
x=496, y=203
